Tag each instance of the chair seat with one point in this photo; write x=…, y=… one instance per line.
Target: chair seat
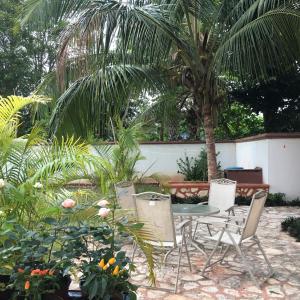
x=166, y=244
x=212, y=219
x=226, y=238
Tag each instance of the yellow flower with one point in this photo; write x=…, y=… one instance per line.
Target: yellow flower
x=105, y=267
x=101, y=263
x=112, y=261
x=116, y=270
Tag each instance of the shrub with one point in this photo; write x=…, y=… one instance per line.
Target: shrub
x=194, y=168
x=277, y=199
x=292, y=226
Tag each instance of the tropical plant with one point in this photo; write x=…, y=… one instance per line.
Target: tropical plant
x=32, y=169
x=107, y=278
x=195, y=168
x=118, y=161
x=121, y=46
x=38, y=260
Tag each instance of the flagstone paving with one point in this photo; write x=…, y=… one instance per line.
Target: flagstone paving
x=229, y=280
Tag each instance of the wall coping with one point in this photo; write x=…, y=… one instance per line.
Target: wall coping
x=263, y=136
x=270, y=136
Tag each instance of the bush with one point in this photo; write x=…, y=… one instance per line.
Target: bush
x=194, y=168
x=277, y=199
x=292, y=226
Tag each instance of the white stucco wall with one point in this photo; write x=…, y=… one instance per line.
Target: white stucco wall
x=279, y=159
x=284, y=166
x=162, y=158
x=250, y=155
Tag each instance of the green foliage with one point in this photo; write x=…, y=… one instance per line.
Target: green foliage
x=273, y=200
x=27, y=53
x=32, y=170
x=292, y=226
x=103, y=283
x=64, y=243
x=278, y=100
x=236, y=121
x=194, y=168
x=118, y=161
x=189, y=46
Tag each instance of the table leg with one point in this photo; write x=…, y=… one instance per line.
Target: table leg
x=193, y=242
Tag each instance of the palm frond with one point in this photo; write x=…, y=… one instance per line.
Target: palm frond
x=258, y=47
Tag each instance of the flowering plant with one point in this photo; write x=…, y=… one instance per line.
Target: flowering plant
x=38, y=279
x=107, y=277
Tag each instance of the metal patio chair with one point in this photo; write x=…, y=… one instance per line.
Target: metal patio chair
x=124, y=191
x=248, y=234
x=221, y=195
x=155, y=211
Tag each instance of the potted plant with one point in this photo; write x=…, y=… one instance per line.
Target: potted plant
x=40, y=282
x=107, y=278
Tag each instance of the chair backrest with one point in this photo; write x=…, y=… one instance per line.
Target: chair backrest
x=155, y=211
x=124, y=192
x=222, y=193
x=254, y=214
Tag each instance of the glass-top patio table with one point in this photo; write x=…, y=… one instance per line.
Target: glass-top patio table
x=194, y=210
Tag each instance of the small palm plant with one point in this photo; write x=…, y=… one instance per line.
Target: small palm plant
x=117, y=162
x=31, y=167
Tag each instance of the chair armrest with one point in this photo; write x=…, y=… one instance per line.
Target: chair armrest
x=203, y=203
x=183, y=224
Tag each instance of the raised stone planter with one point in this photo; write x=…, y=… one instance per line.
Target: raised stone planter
x=185, y=189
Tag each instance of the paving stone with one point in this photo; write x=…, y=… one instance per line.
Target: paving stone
x=254, y=289
x=275, y=291
x=190, y=286
x=232, y=282
x=176, y=297
x=290, y=290
x=231, y=292
x=152, y=294
x=273, y=281
x=210, y=289
x=191, y=277
x=229, y=280
x=206, y=282
x=272, y=251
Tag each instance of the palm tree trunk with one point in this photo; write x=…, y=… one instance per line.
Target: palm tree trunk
x=210, y=141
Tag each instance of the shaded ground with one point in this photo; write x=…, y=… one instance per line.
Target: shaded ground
x=229, y=281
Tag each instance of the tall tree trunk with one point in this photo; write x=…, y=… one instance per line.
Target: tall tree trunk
x=210, y=141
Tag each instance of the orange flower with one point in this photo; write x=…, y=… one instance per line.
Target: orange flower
x=112, y=261
x=105, y=267
x=116, y=270
x=101, y=263
x=27, y=285
x=21, y=270
x=45, y=272
x=35, y=272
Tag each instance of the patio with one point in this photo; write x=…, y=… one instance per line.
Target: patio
x=228, y=281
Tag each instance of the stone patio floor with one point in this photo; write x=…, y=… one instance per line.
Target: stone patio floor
x=229, y=281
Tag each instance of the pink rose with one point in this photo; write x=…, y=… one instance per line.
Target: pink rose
x=68, y=203
x=103, y=203
x=103, y=212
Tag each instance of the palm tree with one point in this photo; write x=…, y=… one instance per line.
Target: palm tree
x=110, y=48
